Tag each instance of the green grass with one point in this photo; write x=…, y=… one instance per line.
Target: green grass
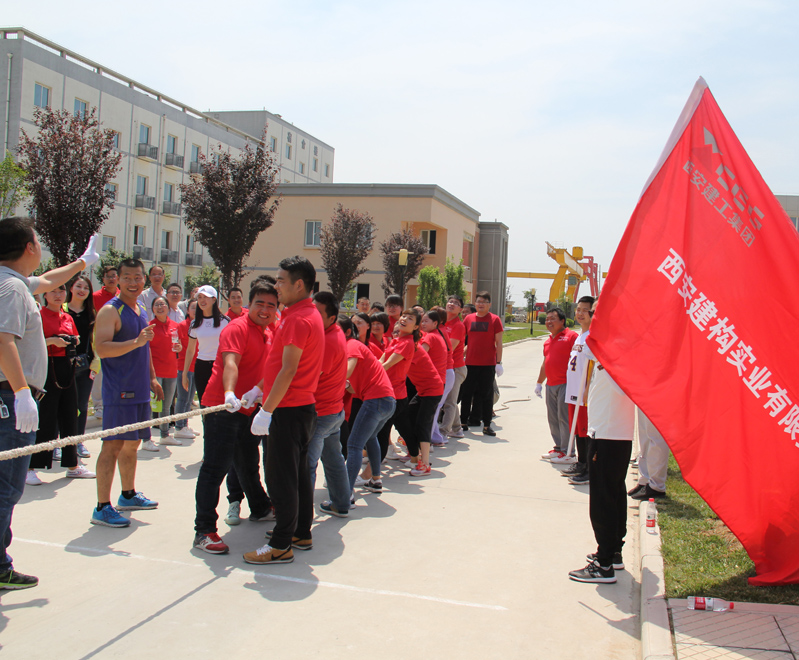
x=701, y=556
x=515, y=331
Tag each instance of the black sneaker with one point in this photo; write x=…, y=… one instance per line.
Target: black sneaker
x=573, y=470
x=636, y=490
x=646, y=492
x=618, y=562
x=579, y=479
x=487, y=430
x=594, y=573
x=13, y=580
x=373, y=486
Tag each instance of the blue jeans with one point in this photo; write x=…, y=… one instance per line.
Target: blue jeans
x=168, y=385
x=326, y=444
x=12, y=475
x=185, y=398
x=371, y=417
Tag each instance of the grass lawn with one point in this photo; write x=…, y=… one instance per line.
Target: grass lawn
x=701, y=556
x=515, y=331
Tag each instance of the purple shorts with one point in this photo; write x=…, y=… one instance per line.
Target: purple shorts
x=114, y=416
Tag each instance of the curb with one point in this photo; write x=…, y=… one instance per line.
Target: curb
x=656, y=636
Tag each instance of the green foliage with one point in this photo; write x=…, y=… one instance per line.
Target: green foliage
x=68, y=164
x=565, y=303
x=542, y=318
x=569, y=323
x=529, y=296
x=344, y=243
x=110, y=258
x=12, y=185
x=44, y=266
x=432, y=288
x=207, y=275
x=397, y=276
x=453, y=276
x=508, y=318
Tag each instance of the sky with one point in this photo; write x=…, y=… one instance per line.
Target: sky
x=548, y=117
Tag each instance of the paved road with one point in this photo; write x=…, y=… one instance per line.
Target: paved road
x=468, y=563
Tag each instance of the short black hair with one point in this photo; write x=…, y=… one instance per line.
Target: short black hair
x=328, y=300
x=557, y=310
x=15, y=234
x=394, y=300
x=378, y=306
x=366, y=298
x=345, y=323
x=264, y=278
x=174, y=285
x=483, y=294
x=235, y=288
x=382, y=318
x=300, y=268
x=109, y=268
x=457, y=299
x=260, y=288
x=150, y=272
x=131, y=263
x=587, y=299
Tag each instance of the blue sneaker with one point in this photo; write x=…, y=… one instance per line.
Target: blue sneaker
x=109, y=517
x=138, y=501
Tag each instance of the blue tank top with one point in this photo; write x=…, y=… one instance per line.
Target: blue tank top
x=126, y=379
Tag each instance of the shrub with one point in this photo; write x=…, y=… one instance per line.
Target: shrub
x=542, y=318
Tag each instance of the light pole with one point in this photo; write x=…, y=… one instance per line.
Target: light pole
x=402, y=260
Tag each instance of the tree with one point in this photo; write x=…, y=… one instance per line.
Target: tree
x=228, y=206
x=432, y=287
x=208, y=275
x=12, y=185
x=345, y=242
x=453, y=275
x=68, y=165
x=397, y=276
x=111, y=258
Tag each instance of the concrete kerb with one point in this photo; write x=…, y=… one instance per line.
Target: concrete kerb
x=656, y=635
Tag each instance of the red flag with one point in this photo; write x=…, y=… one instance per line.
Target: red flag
x=695, y=323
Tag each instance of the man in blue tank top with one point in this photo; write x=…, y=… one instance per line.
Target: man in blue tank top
x=122, y=337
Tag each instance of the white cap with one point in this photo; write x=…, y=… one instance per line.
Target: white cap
x=208, y=290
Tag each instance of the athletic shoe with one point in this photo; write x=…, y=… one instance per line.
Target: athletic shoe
x=359, y=481
x=83, y=452
x=32, y=479
x=636, y=489
x=552, y=453
x=455, y=434
x=109, y=517
x=647, y=493
x=57, y=454
x=573, y=470
x=392, y=454
x=373, y=486
x=185, y=432
x=329, y=508
x=149, y=445
x=296, y=541
x=487, y=430
x=264, y=517
x=464, y=427
x=421, y=470
x=618, y=562
x=233, y=514
x=564, y=460
x=98, y=413
x=579, y=480
x=410, y=463
x=211, y=543
x=135, y=503
x=81, y=472
x=169, y=440
x=13, y=580
x=594, y=573
x=268, y=555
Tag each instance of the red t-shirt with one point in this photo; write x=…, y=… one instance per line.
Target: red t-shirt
x=424, y=375
x=391, y=324
x=456, y=331
x=480, y=333
x=300, y=326
x=232, y=315
x=378, y=346
x=242, y=337
x=369, y=380
x=557, y=351
x=333, y=381
x=397, y=374
x=101, y=297
x=437, y=350
x=57, y=323
x=164, y=362
x=183, y=333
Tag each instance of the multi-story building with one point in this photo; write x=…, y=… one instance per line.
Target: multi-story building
x=160, y=140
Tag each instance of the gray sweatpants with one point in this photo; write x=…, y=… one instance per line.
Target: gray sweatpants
x=558, y=416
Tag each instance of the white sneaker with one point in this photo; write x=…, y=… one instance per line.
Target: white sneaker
x=563, y=459
x=359, y=481
x=169, y=440
x=83, y=451
x=98, y=413
x=57, y=454
x=455, y=434
x=32, y=479
x=392, y=454
x=185, y=432
x=149, y=445
x=233, y=513
x=81, y=472
x=552, y=453
x=409, y=463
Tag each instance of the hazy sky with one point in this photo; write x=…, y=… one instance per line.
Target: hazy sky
x=548, y=117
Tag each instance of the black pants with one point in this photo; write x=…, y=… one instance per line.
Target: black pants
x=479, y=384
x=582, y=449
x=287, y=474
x=416, y=424
x=607, y=502
x=202, y=374
x=58, y=414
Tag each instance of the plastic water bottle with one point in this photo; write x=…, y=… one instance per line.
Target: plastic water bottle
x=651, y=516
x=155, y=404
x=175, y=340
x=709, y=604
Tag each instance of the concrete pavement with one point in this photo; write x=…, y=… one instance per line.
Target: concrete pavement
x=470, y=562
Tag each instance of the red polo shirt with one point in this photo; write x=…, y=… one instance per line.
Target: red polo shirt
x=247, y=339
x=57, y=323
x=369, y=380
x=557, y=351
x=456, y=331
x=300, y=326
x=164, y=362
x=183, y=333
x=481, y=332
x=101, y=297
x=397, y=374
x=424, y=375
x=232, y=315
x=437, y=350
x=333, y=381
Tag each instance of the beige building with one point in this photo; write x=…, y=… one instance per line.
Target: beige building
x=449, y=227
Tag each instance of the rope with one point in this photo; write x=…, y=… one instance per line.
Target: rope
x=75, y=439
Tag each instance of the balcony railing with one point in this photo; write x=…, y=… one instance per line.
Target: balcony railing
x=171, y=208
x=169, y=256
x=194, y=259
x=173, y=160
x=145, y=202
x=195, y=167
x=147, y=151
x=141, y=252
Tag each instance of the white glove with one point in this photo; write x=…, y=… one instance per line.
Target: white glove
x=249, y=399
x=499, y=369
x=232, y=402
x=90, y=256
x=538, y=388
x=26, y=411
x=261, y=422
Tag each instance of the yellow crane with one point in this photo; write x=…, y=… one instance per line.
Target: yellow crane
x=568, y=270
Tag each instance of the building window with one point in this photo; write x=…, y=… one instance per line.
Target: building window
x=302, y=168
x=288, y=151
x=313, y=229
x=141, y=185
x=288, y=138
x=315, y=164
x=108, y=242
x=41, y=96
x=80, y=108
x=115, y=136
x=166, y=240
x=428, y=237
x=316, y=151
x=171, y=144
x=190, y=243
x=169, y=192
x=327, y=170
x=195, y=153
x=138, y=235
x=273, y=144
x=144, y=134
x=303, y=144
x=113, y=189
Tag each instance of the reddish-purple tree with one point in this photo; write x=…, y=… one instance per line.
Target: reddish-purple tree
x=397, y=277
x=345, y=242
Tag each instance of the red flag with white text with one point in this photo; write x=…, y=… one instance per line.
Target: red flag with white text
x=695, y=323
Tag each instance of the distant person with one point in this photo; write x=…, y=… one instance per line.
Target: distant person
x=204, y=333
x=456, y=331
x=173, y=294
x=654, y=462
x=164, y=348
x=109, y=290
x=394, y=310
x=376, y=307
x=80, y=305
x=185, y=395
x=155, y=290
x=183, y=305
x=235, y=300
x=363, y=305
